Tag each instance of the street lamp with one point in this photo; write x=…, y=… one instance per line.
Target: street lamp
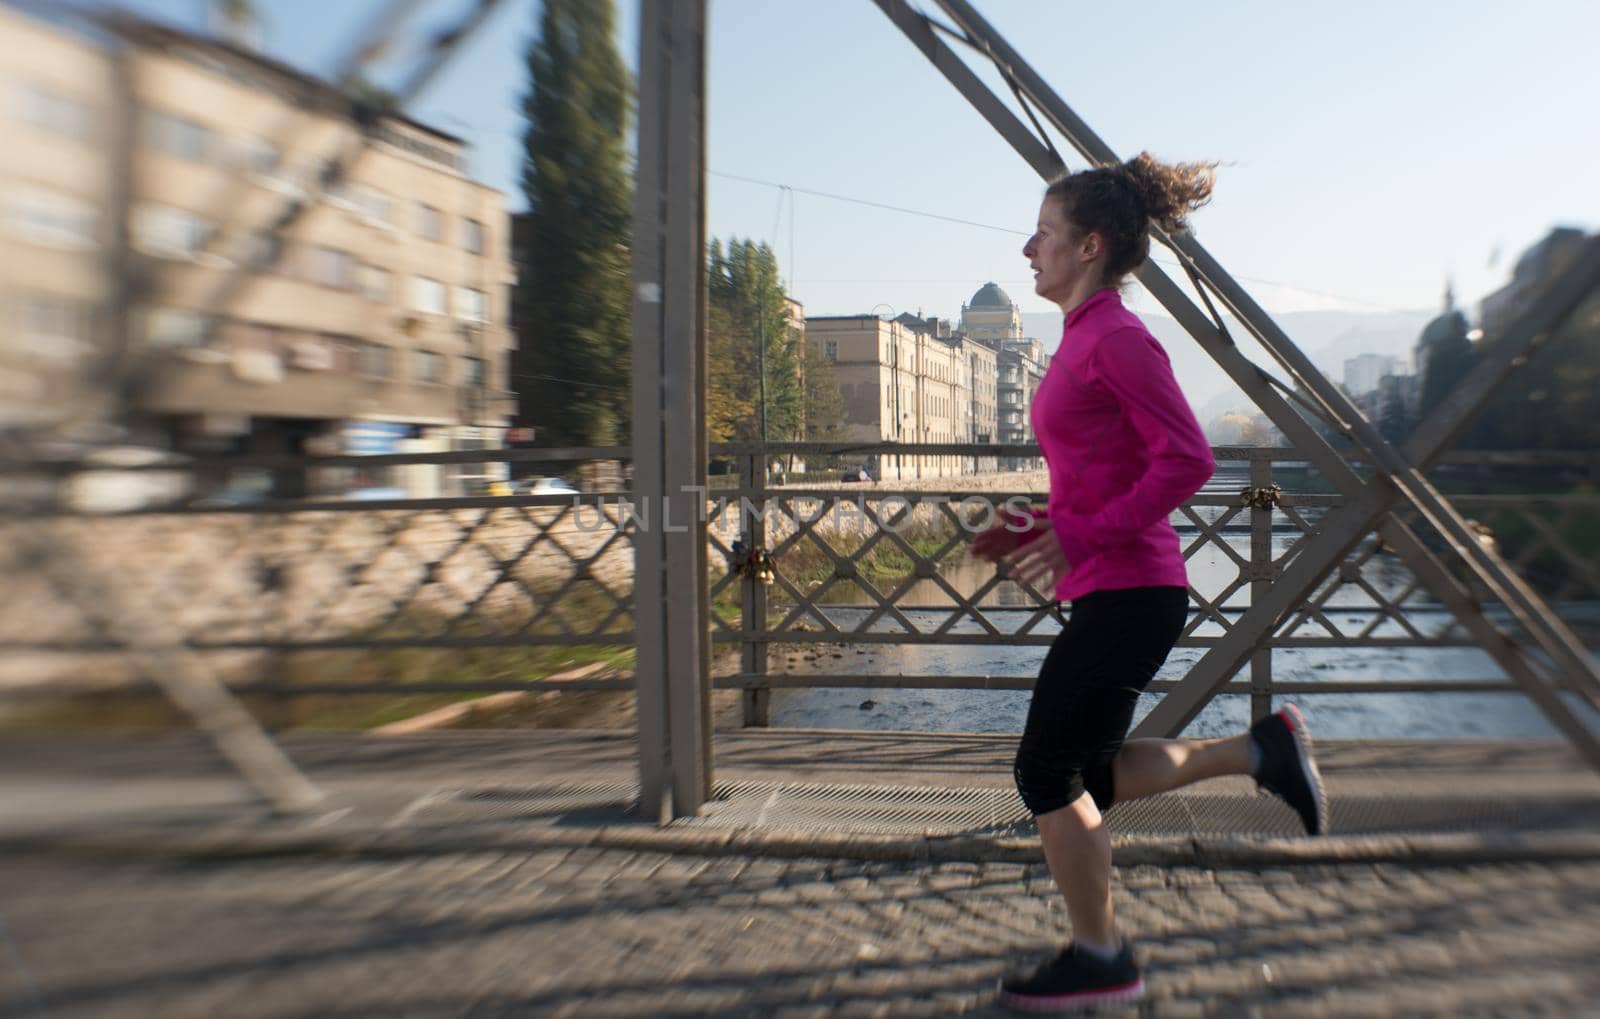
x=894, y=370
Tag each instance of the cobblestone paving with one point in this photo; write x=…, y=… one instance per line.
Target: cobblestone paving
x=598, y=933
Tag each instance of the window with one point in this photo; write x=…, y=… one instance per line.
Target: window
x=175, y=327
x=51, y=111
x=472, y=305
x=430, y=223
x=376, y=283
x=427, y=367
x=373, y=361
x=427, y=295
x=472, y=371
x=830, y=349
x=417, y=146
x=256, y=155
x=176, y=136
x=54, y=220
x=472, y=236
x=57, y=328
x=169, y=232
x=368, y=202
x=374, y=204
x=331, y=267
x=259, y=251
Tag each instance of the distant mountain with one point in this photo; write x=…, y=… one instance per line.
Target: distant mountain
x=1329, y=338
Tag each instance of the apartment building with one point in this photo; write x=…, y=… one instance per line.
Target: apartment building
x=983, y=374
x=900, y=382
x=145, y=172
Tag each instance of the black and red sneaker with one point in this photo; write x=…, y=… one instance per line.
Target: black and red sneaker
x=1288, y=768
x=1074, y=979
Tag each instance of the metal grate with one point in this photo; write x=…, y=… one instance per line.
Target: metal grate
x=933, y=810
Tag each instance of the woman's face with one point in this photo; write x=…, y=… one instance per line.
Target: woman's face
x=1060, y=258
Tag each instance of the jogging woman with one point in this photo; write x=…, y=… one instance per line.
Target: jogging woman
x=1124, y=451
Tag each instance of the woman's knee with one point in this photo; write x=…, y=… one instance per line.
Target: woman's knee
x=1046, y=780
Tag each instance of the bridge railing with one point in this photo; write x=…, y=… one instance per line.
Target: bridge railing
x=367, y=596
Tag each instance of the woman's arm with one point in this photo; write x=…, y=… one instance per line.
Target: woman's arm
x=1135, y=369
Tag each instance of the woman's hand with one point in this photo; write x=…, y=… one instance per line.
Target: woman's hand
x=1040, y=563
x=1008, y=535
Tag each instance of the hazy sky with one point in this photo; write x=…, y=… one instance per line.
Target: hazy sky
x=1371, y=149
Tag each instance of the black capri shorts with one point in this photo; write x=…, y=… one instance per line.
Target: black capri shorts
x=1083, y=702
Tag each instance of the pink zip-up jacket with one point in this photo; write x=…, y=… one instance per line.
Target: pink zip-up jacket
x=1123, y=448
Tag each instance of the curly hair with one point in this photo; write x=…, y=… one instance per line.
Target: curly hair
x=1120, y=202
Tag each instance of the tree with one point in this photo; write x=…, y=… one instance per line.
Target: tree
x=1394, y=417
x=824, y=402
x=750, y=335
x=239, y=21
x=1447, y=358
x=572, y=368
x=726, y=408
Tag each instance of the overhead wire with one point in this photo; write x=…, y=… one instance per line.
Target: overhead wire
x=1170, y=263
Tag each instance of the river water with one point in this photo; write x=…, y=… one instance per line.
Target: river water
x=1337, y=716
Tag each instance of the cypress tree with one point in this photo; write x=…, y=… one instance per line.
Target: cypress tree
x=572, y=368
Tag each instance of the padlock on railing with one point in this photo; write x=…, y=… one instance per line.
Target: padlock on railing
x=1261, y=498
x=751, y=562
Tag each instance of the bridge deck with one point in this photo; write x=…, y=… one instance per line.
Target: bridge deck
x=781, y=786
x=486, y=874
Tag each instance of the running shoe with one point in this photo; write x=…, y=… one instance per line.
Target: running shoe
x=1074, y=979
x=1288, y=770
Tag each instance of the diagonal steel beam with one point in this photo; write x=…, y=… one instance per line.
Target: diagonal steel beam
x=153, y=642
x=1278, y=344
x=162, y=652
x=1530, y=611
x=1320, y=554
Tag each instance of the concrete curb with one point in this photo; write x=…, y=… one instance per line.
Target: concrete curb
x=294, y=839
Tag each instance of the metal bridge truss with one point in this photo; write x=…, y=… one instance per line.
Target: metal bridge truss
x=1539, y=652
x=672, y=601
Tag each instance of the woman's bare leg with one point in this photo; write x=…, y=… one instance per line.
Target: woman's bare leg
x=1078, y=849
x=1144, y=767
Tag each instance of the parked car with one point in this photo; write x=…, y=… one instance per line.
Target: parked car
x=543, y=486
x=853, y=474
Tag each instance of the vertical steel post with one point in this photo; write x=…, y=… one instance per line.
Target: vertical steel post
x=1261, y=563
x=669, y=411
x=650, y=676
x=753, y=619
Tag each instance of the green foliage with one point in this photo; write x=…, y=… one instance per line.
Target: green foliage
x=749, y=334
x=824, y=402
x=572, y=301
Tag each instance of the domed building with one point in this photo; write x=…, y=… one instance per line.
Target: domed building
x=991, y=315
x=1448, y=332
x=994, y=320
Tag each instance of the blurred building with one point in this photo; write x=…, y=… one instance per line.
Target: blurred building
x=1540, y=264
x=1362, y=372
x=144, y=172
